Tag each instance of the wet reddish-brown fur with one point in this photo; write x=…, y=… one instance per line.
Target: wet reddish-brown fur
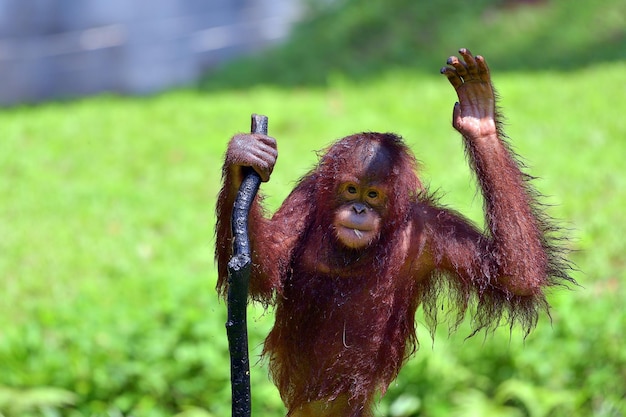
x=345, y=318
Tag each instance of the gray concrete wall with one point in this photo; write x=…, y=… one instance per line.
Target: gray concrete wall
x=67, y=48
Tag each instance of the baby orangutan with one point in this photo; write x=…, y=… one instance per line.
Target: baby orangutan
x=359, y=244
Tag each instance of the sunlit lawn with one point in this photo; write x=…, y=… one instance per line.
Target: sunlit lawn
x=106, y=243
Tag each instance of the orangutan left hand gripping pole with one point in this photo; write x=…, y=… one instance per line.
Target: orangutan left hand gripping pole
x=238, y=278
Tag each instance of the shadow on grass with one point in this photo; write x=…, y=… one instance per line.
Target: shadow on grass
x=359, y=40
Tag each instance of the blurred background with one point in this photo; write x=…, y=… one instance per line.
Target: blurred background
x=58, y=48
x=51, y=49
x=114, y=121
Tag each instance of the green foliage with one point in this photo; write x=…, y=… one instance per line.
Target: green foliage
x=361, y=39
x=107, y=279
x=108, y=305
x=42, y=399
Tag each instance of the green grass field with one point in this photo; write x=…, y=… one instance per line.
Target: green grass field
x=107, y=299
x=106, y=251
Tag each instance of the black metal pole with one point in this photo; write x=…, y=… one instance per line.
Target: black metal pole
x=238, y=279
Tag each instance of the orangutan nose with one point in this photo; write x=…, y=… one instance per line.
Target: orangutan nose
x=359, y=208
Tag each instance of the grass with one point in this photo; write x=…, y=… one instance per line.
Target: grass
x=107, y=279
x=106, y=245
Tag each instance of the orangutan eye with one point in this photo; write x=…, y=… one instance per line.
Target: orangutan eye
x=351, y=189
x=372, y=194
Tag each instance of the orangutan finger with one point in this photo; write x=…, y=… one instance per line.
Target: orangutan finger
x=483, y=68
x=453, y=76
x=470, y=62
x=459, y=66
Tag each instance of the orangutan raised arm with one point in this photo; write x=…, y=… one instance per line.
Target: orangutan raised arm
x=359, y=244
x=516, y=256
